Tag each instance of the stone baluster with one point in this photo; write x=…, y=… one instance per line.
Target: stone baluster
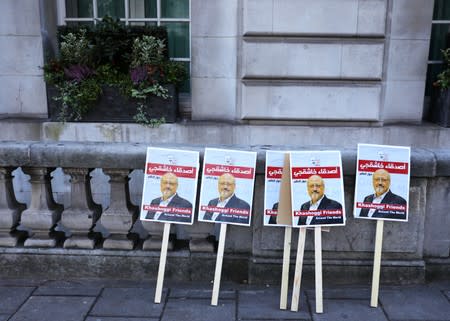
x=120, y=216
x=198, y=234
x=43, y=214
x=10, y=209
x=154, y=240
x=83, y=213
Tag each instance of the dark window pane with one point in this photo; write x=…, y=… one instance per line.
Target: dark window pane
x=178, y=39
x=79, y=9
x=432, y=72
x=441, y=10
x=142, y=9
x=174, y=8
x=112, y=8
x=439, y=40
x=186, y=86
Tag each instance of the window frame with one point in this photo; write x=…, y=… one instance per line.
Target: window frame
x=62, y=20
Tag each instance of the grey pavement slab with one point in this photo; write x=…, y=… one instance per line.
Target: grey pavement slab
x=45, y=308
x=120, y=319
x=128, y=302
x=200, y=294
x=415, y=303
x=342, y=293
x=346, y=310
x=11, y=298
x=100, y=283
x=447, y=294
x=4, y=317
x=67, y=291
x=199, y=310
x=265, y=304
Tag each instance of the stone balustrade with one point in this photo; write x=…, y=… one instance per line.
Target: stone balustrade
x=87, y=237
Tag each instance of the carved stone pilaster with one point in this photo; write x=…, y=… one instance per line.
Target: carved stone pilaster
x=43, y=214
x=120, y=216
x=10, y=209
x=83, y=213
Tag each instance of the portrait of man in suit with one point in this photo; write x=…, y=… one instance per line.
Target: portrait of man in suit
x=227, y=199
x=169, y=198
x=319, y=201
x=381, y=181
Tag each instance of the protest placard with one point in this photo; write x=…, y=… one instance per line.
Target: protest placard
x=317, y=188
x=381, y=193
x=170, y=185
x=382, y=182
x=226, y=193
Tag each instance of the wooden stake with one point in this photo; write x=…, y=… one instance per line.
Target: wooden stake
x=377, y=264
x=219, y=260
x=162, y=263
x=286, y=262
x=318, y=265
x=298, y=269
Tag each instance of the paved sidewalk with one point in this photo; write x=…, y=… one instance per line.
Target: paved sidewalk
x=114, y=300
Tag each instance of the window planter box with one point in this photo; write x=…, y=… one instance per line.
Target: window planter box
x=440, y=107
x=113, y=107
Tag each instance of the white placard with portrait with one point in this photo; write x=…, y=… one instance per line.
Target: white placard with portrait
x=170, y=185
x=226, y=193
x=382, y=182
x=317, y=188
x=273, y=176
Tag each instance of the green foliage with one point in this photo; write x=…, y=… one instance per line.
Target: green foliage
x=133, y=59
x=75, y=49
x=142, y=117
x=77, y=98
x=174, y=72
x=444, y=77
x=147, y=50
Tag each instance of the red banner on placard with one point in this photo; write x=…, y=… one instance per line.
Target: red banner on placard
x=382, y=207
x=324, y=172
x=179, y=171
x=271, y=212
x=319, y=213
x=274, y=172
x=365, y=165
x=225, y=210
x=236, y=171
x=167, y=209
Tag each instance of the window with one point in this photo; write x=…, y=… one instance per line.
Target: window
x=440, y=39
x=174, y=14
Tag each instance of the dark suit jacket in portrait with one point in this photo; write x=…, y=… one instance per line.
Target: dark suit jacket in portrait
x=176, y=201
x=325, y=204
x=233, y=202
x=273, y=219
x=389, y=198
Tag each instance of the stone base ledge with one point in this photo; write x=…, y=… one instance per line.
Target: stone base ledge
x=183, y=265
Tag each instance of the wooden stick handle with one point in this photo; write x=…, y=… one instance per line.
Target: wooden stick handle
x=377, y=264
x=162, y=263
x=318, y=265
x=298, y=269
x=285, y=271
x=219, y=260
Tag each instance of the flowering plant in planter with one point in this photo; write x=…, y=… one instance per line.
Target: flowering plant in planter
x=131, y=60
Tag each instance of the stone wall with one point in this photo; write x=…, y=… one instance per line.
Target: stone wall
x=96, y=221
x=22, y=87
